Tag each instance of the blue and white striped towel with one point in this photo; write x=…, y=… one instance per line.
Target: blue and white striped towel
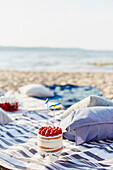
x=18, y=147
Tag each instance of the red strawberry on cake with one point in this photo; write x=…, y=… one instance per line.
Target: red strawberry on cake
x=49, y=139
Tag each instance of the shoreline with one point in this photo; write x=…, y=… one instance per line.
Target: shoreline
x=12, y=80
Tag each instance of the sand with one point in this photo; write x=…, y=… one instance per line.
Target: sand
x=12, y=80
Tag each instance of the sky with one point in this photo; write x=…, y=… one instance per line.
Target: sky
x=86, y=24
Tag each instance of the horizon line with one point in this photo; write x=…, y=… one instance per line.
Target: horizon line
x=49, y=47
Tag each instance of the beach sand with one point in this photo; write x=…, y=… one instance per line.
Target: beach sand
x=12, y=80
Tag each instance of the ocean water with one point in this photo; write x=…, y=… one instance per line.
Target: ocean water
x=54, y=59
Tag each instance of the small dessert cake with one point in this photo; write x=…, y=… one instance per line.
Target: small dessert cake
x=49, y=139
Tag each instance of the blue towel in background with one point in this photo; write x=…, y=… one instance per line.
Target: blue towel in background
x=70, y=94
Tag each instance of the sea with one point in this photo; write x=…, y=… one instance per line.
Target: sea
x=44, y=59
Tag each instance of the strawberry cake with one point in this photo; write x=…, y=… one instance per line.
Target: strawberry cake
x=49, y=139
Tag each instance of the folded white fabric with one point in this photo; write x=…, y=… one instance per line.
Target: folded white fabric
x=36, y=90
x=4, y=118
x=90, y=101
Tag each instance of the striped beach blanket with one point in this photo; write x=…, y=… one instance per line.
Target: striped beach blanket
x=18, y=146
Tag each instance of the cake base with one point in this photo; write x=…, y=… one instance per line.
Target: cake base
x=43, y=154
x=50, y=157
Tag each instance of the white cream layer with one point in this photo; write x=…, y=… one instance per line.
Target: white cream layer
x=50, y=143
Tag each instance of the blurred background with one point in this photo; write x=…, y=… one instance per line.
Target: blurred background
x=59, y=35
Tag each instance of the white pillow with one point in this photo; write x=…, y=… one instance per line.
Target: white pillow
x=90, y=101
x=4, y=118
x=36, y=90
x=92, y=123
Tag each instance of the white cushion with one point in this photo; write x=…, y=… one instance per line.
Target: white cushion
x=90, y=101
x=36, y=90
x=4, y=118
